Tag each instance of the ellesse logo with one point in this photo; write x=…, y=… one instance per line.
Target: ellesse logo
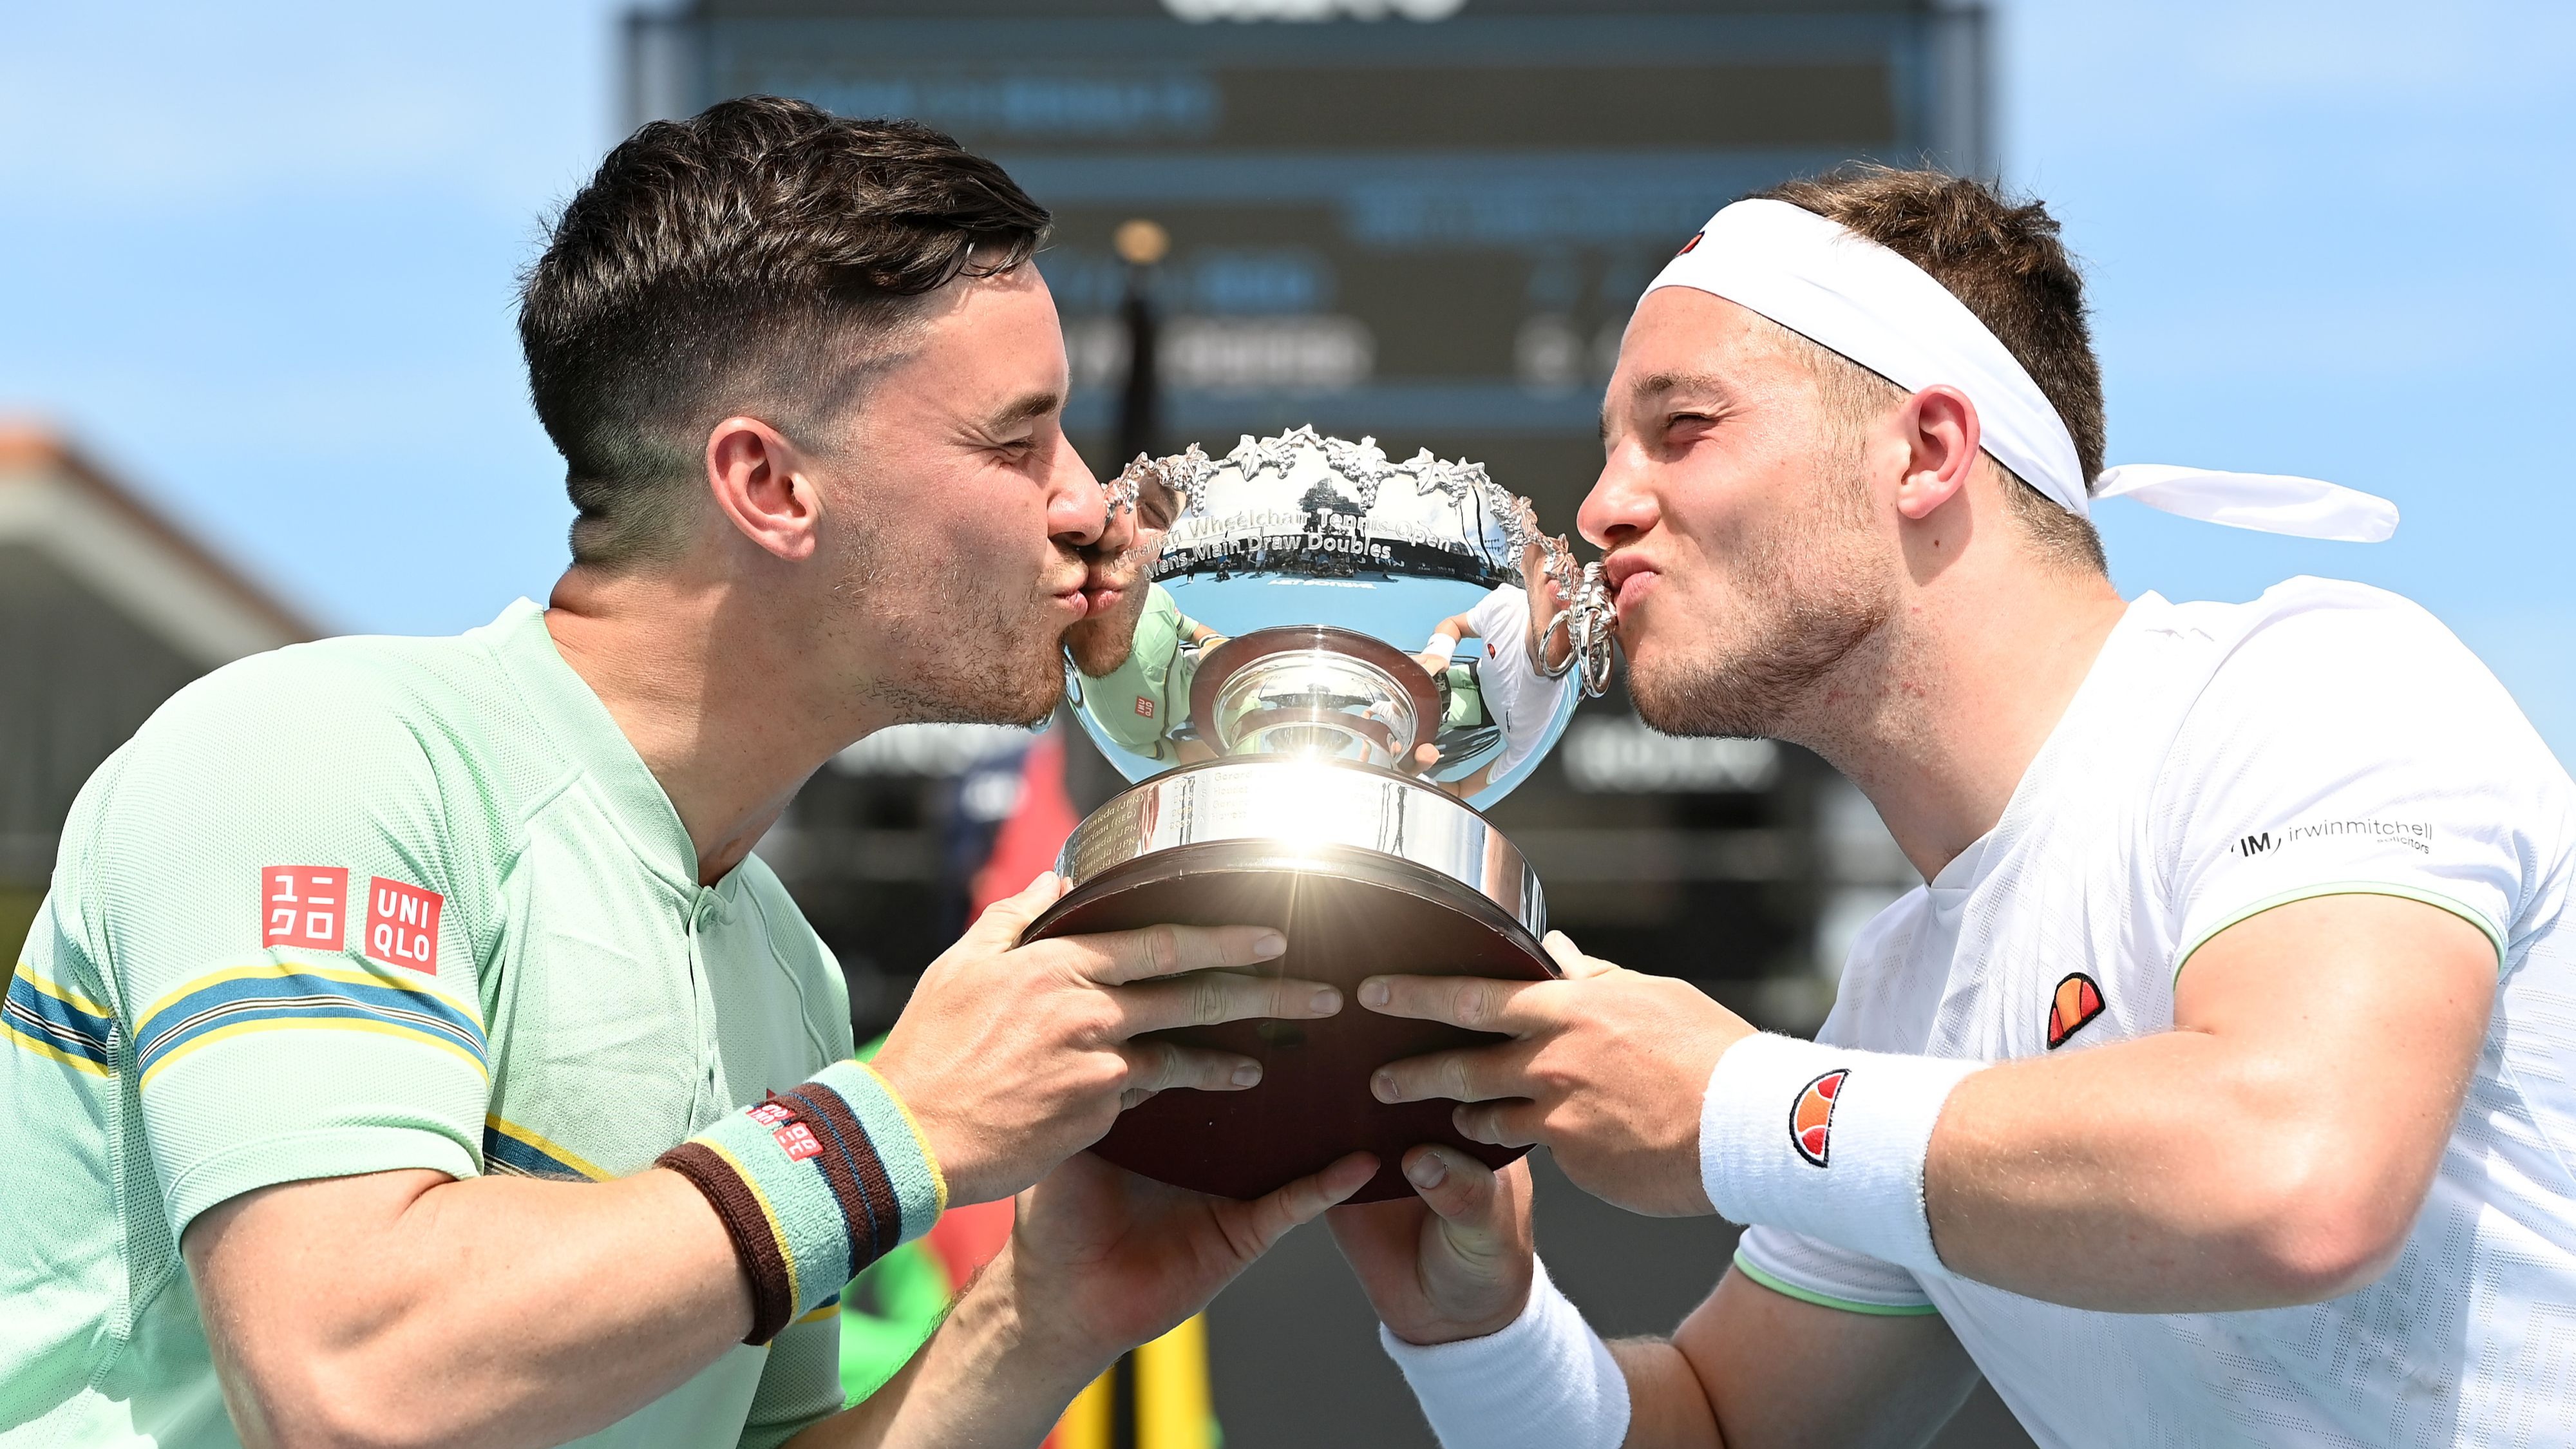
x=1811, y=1121
x=2078, y=1000
x=1694, y=241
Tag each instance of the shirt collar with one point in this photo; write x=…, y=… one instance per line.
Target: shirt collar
x=581, y=728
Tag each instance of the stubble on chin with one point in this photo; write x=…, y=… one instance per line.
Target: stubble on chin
x=1763, y=674
x=1102, y=643
x=965, y=649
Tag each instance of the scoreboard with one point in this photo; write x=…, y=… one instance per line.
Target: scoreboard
x=1427, y=229
x=1421, y=220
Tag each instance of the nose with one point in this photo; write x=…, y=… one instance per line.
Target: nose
x=1077, y=506
x=1118, y=533
x=1620, y=506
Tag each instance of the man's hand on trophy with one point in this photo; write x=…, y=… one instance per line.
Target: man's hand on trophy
x=1012, y=1058
x=1112, y=1260
x=1606, y=1067
x=1451, y=1262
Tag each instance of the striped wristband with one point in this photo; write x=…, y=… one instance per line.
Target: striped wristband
x=1826, y=1141
x=813, y=1185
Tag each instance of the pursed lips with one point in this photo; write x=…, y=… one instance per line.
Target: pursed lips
x=1631, y=578
x=1103, y=590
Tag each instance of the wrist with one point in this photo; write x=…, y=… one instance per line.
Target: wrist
x=1510, y=1306
x=813, y=1185
x=1545, y=1378
x=1016, y=1306
x=1826, y=1141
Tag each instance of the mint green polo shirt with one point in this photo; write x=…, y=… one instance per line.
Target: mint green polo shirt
x=355, y=906
x=1146, y=697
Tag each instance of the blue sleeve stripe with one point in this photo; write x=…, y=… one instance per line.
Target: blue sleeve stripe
x=44, y=1018
x=508, y=1147
x=232, y=998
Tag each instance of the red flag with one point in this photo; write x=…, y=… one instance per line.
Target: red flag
x=1026, y=845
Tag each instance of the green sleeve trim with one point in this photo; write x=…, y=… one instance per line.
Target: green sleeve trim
x=350, y=1151
x=1787, y=1289
x=2438, y=901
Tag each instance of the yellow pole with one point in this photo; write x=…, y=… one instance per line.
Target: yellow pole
x=1173, y=1406
x=1173, y=1410
x=1085, y=1424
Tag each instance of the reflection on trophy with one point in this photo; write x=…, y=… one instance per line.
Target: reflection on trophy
x=1336, y=661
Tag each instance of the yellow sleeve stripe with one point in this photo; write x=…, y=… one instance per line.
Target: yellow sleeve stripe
x=309, y=1023
x=412, y=983
x=514, y=1148
x=59, y=994
x=49, y=1051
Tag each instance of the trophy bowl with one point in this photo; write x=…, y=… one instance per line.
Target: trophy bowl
x=1327, y=664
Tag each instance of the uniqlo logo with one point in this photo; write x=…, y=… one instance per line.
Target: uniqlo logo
x=402, y=924
x=1144, y=706
x=798, y=1141
x=770, y=1114
x=303, y=906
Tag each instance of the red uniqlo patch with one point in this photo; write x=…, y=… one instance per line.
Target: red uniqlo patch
x=402, y=924
x=304, y=906
x=1144, y=706
x=798, y=1141
x=770, y=1114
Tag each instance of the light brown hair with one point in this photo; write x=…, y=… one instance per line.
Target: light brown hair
x=2003, y=260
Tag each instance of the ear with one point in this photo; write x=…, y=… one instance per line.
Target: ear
x=758, y=478
x=1938, y=427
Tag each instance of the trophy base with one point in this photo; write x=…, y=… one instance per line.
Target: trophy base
x=1349, y=912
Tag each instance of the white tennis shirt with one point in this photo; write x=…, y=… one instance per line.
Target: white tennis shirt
x=2221, y=759
x=1519, y=698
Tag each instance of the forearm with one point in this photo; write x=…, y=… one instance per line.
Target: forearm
x=2172, y=1173
x=1667, y=1407
x=994, y=1374
x=494, y=1311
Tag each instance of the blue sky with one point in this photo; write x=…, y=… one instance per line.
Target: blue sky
x=258, y=258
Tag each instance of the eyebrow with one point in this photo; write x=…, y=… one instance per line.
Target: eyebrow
x=1655, y=384
x=1024, y=408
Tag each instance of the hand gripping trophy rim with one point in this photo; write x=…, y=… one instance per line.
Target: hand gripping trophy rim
x=1587, y=619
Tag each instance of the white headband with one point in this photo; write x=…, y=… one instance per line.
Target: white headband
x=1852, y=296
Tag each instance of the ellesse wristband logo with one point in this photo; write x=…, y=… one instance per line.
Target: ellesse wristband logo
x=1811, y=1119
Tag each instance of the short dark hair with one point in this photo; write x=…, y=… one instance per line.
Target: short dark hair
x=2003, y=259
x=708, y=267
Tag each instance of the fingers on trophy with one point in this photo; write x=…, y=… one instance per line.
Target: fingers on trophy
x=1301, y=758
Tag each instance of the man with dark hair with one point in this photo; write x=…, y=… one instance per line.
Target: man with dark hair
x=2215, y=1086
x=410, y=1048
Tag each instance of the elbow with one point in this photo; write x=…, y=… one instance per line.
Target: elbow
x=323, y=1400
x=2334, y=1227
x=2320, y=1258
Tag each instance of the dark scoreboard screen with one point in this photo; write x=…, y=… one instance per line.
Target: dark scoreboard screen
x=1427, y=230
x=1430, y=231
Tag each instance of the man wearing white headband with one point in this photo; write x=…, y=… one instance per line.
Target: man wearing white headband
x=2219, y=1084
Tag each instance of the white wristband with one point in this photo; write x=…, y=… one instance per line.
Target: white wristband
x=1444, y=644
x=1826, y=1141
x=1545, y=1381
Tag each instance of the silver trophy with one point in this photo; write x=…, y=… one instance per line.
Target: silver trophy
x=1325, y=665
